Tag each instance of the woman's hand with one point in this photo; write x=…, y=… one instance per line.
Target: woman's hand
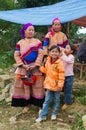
x=26, y=67
x=32, y=67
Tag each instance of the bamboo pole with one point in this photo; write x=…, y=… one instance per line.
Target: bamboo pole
x=68, y=29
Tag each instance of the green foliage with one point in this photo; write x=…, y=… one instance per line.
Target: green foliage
x=82, y=100
x=80, y=94
x=35, y=3
x=7, y=59
x=79, y=123
x=7, y=4
x=3, y=104
x=73, y=32
x=8, y=37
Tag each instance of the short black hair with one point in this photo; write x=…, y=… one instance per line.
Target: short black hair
x=72, y=48
x=53, y=47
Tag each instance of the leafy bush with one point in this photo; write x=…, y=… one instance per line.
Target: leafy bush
x=79, y=122
x=7, y=59
x=80, y=94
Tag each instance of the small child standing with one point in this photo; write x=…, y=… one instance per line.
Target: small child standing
x=68, y=60
x=54, y=81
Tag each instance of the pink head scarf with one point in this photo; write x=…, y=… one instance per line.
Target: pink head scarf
x=55, y=20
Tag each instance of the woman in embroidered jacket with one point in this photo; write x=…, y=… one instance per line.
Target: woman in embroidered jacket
x=55, y=36
x=28, y=55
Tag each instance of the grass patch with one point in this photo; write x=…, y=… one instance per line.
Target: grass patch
x=80, y=94
x=79, y=122
x=3, y=104
x=6, y=59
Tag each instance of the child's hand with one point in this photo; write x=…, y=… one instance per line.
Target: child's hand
x=59, y=89
x=62, y=49
x=56, y=82
x=44, y=60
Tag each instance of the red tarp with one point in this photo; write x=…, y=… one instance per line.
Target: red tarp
x=81, y=21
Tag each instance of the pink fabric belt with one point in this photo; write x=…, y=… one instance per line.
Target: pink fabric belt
x=38, y=97
x=18, y=97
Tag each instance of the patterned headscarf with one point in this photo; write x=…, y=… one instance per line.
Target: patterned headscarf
x=22, y=31
x=55, y=20
x=51, y=28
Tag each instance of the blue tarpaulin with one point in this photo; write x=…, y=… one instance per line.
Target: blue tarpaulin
x=67, y=11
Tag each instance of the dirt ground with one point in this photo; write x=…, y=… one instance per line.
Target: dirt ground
x=71, y=116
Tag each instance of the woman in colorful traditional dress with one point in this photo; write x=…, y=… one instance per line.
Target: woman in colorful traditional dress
x=55, y=36
x=28, y=56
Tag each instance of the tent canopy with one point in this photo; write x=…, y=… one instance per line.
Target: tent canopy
x=68, y=10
